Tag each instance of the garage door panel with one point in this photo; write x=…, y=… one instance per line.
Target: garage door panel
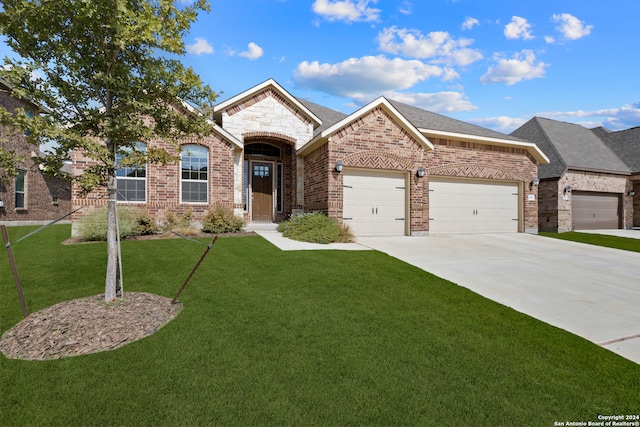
x=374, y=202
x=593, y=211
x=457, y=206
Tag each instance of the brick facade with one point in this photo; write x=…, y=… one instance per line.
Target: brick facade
x=163, y=183
x=46, y=198
x=556, y=204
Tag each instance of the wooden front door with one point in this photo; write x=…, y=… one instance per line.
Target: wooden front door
x=262, y=189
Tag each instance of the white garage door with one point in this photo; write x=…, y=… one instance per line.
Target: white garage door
x=472, y=206
x=374, y=202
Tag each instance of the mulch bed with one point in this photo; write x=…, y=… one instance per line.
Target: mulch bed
x=87, y=325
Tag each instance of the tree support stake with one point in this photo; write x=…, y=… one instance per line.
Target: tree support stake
x=206, y=251
x=16, y=278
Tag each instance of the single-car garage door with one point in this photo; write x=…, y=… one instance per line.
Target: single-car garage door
x=473, y=206
x=374, y=202
x=593, y=211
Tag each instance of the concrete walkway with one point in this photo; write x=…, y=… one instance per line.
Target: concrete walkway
x=590, y=291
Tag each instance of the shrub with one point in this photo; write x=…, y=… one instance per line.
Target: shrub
x=132, y=222
x=314, y=227
x=222, y=221
x=176, y=221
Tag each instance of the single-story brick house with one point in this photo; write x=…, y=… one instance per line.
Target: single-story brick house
x=591, y=179
x=32, y=196
x=386, y=169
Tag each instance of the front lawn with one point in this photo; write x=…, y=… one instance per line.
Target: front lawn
x=624, y=243
x=299, y=338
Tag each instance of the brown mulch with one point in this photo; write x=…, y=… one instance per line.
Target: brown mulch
x=87, y=325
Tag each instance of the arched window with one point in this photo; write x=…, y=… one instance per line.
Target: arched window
x=132, y=178
x=194, y=175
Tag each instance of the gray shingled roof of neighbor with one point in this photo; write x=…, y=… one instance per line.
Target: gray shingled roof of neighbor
x=328, y=116
x=625, y=144
x=569, y=146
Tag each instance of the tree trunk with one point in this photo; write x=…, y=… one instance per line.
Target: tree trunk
x=112, y=242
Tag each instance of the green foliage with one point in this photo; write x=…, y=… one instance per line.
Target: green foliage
x=616, y=242
x=222, y=221
x=305, y=338
x=177, y=221
x=313, y=227
x=132, y=221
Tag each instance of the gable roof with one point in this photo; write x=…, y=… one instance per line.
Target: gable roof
x=625, y=144
x=570, y=146
x=439, y=126
x=322, y=136
x=271, y=84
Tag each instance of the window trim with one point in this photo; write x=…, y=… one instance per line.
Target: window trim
x=206, y=180
x=140, y=146
x=23, y=173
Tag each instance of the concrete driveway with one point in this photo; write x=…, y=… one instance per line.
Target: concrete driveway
x=591, y=291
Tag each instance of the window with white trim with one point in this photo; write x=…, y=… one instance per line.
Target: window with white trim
x=194, y=168
x=131, y=180
x=20, y=190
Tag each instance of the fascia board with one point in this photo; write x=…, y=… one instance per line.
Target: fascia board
x=380, y=102
x=529, y=146
x=246, y=94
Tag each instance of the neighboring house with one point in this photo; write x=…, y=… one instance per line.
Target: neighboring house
x=588, y=183
x=32, y=197
x=386, y=169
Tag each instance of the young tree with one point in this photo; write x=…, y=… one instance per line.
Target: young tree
x=108, y=73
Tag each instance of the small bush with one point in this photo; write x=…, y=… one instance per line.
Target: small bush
x=176, y=221
x=222, y=221
x=314, y=227
x=132, y=222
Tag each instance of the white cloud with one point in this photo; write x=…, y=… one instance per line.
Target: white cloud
x=469, y=23
x=502, y=124
x=406, y=8
x=253, y=52
x=518, y=28
x=571, y=27
x=441, y=102
x=612, y=118
x=365, y=77
x=437, y=45
x=346, y=10
x=201, y=46
x=522, y=66
x=549, y=39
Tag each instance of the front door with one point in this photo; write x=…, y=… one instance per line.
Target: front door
x=262, y=189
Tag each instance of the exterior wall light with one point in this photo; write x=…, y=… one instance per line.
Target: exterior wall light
x=420, y=172
x=632, y=192
x=339, y=166
x=535, y=182
x=568, y=189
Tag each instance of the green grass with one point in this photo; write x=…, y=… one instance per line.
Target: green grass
x=624, y=243
x=299, y=338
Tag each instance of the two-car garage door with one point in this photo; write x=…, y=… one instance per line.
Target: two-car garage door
x=473, y=206
x=375, y=204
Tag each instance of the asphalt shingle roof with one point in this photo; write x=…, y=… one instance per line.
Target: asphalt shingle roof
x=625, y=144
x=569, y=145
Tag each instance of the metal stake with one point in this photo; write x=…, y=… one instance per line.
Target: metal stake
x=209, y=246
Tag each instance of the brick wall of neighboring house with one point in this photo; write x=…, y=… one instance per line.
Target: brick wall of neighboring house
x=45, y=198
x=374, y=141
x=549, y=215
x=594, y=182
x=635, y=186
x=480, y=161
x=163, y=183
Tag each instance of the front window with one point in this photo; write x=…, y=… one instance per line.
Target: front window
x=132, y=179
x=20, y=189
x=194, y=174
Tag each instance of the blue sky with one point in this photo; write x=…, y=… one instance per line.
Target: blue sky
x=494, y=63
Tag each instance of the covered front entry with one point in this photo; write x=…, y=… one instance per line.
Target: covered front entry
x=473, y=206
x=593, y=211
x=374, y=202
